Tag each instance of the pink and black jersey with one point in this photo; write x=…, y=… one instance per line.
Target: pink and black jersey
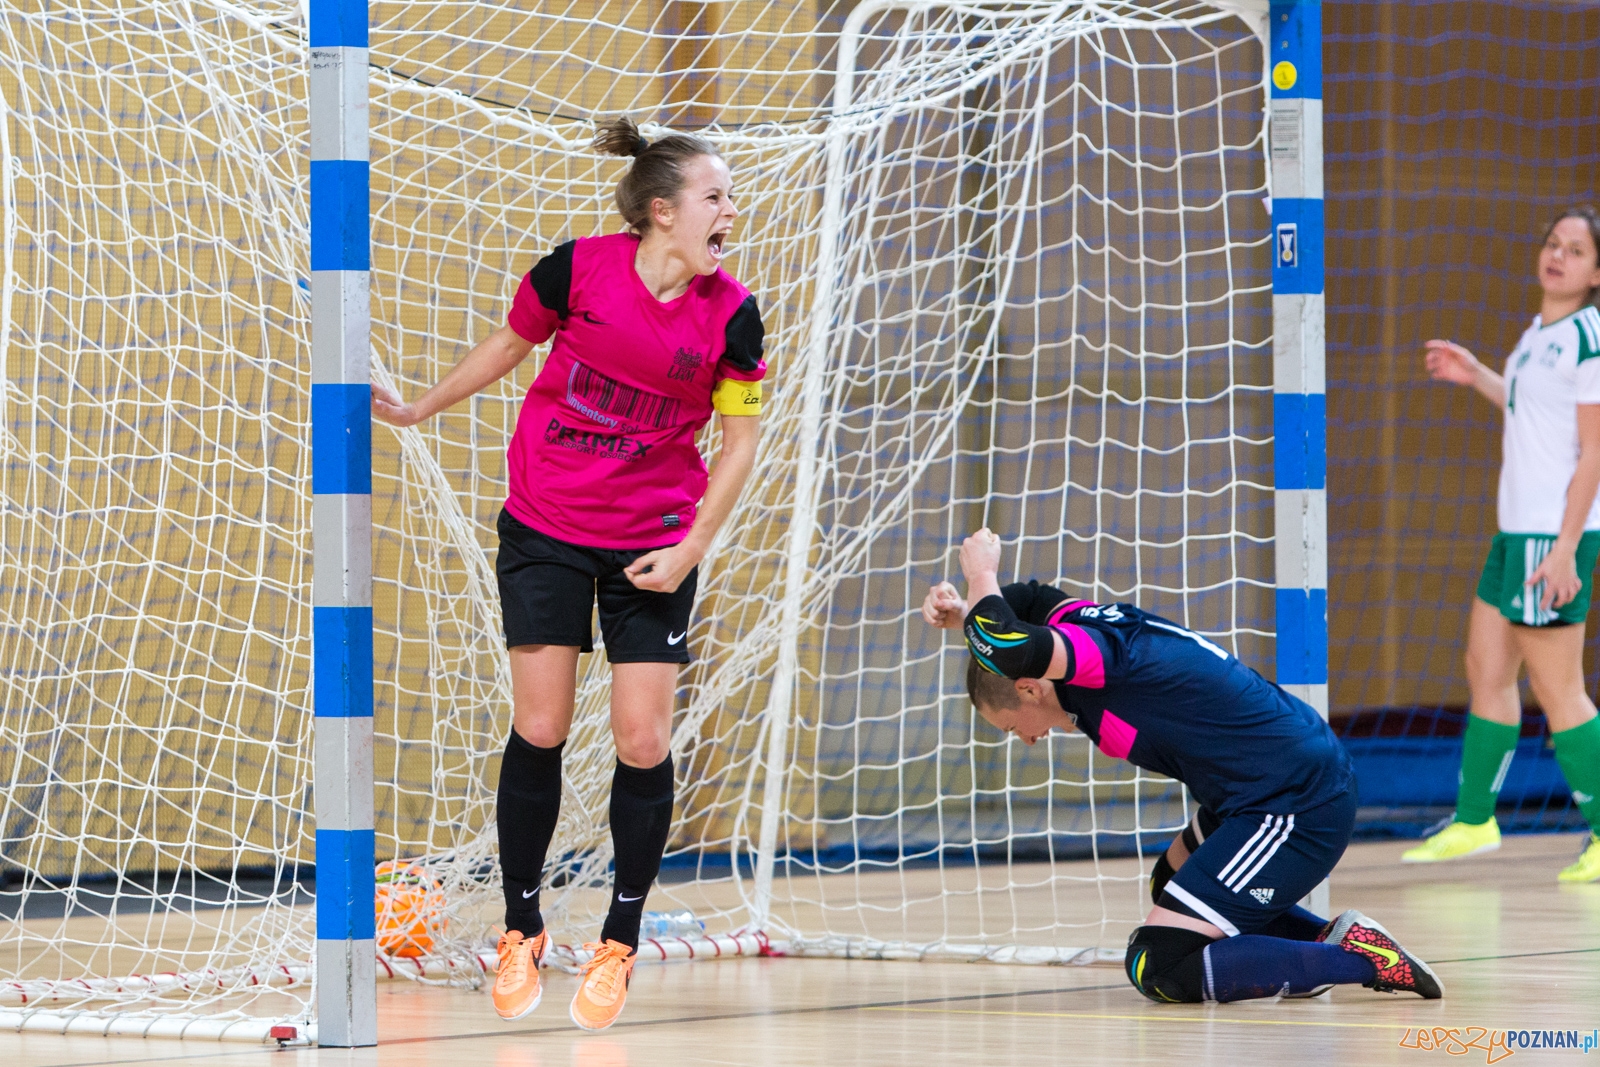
x=1166, y=699
x=604, y=452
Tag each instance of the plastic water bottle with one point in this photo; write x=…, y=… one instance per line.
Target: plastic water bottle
x=664, y=924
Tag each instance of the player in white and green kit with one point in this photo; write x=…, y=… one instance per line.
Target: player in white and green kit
x=1534, y=594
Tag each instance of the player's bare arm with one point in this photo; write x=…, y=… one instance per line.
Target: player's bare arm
x=1450, y=362
x=492, y=359
x=980, y=564
x=665, y=568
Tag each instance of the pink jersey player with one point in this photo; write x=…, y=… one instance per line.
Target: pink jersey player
x=610, y=506
x=604, y=452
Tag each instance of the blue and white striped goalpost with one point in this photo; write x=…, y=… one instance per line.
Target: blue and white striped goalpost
x=341, y=524
x=1299, y=312
x=1298, y=331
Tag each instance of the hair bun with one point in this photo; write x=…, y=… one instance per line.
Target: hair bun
x=620, y=137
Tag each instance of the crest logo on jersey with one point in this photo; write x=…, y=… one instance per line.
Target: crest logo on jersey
x=685, y=362
x=1263, y=896
x=1552, y=355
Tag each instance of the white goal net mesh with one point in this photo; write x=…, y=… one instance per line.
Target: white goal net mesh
x=1020, y=278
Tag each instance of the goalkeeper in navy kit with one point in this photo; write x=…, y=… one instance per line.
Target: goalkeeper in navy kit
x=1274, y=786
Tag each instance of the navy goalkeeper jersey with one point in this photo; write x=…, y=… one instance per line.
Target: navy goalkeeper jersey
x=1166, y=699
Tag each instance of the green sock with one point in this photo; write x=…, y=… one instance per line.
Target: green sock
x=1578, y=752
x=1486, y=753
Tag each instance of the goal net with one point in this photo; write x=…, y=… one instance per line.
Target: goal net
x=1014, y=267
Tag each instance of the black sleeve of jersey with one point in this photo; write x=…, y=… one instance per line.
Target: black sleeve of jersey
x=745, y=335
x=1031, y=601
x=1004, y=644
x=551, y=278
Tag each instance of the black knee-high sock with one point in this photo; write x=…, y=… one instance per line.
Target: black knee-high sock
x=641, y=815
x=528, y=803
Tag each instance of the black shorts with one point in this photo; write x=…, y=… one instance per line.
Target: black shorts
x=548, y=590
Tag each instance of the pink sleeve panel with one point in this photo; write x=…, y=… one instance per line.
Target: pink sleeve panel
x=1065, y=608
x=1116, y=735
x=1090, y=663
x=530, y=319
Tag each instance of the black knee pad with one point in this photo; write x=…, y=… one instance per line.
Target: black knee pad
x=1166, y=963
x=1160, y=875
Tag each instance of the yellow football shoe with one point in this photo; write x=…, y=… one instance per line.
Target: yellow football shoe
x=1461, y=839
x=1587, y=869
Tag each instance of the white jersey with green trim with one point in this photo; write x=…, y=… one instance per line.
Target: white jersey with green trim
x=1552, y=370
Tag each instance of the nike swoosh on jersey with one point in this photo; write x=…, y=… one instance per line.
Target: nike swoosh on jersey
x=629, y=900
x=589, y=317
x=526, y=893
x=1390, y=956
x=672, y=640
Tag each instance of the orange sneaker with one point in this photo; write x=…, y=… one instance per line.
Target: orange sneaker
x=604, y=988
x=516, y=979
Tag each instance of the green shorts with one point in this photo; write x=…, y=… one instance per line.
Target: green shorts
x=1512, y=557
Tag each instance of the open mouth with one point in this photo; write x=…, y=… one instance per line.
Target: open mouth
x=714, y=244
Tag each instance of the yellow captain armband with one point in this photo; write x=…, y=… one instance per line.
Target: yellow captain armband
x=733, y=397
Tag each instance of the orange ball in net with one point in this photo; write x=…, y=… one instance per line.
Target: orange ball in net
x=410, y=909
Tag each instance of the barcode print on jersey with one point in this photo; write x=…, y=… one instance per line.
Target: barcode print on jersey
x=1248, y=861
x=608, y=401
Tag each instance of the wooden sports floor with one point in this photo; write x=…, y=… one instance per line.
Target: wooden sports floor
x=1515, y=949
